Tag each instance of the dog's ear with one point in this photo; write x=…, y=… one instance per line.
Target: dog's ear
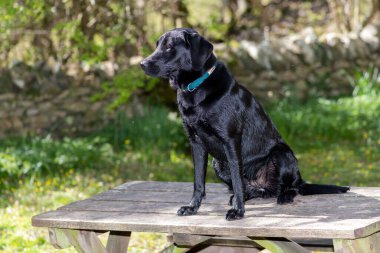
x=200, y=49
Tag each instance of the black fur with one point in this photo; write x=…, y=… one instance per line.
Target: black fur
x=222, y=118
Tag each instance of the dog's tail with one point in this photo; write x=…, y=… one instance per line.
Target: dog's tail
x=311, y=189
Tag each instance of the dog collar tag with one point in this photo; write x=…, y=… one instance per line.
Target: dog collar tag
x=197, y=82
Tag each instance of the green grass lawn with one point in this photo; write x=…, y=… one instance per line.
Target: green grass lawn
x=336, y=141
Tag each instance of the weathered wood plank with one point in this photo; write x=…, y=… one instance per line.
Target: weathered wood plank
x=215, y=187
x=118, y=242
x=188, y=240
x=173, y=249
x=151, y=206
x=369, y=244
x=58, y=238
x=341, y=201
x=214, y=198
x=316, y=245
x=366, y=191
x=185, y=240
x=363, y=209
x=159, y=197
x=84, y=241
x=352, y=195
x=169, y=186
x=278, y=245
x=208, y=225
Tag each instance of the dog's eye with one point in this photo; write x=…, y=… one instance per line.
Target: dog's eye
x=169, y=47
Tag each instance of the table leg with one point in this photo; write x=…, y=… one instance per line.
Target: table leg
x=369, y=244
x=172, y=248
x=58, y=238
x=279, y=245
x=87, y=241
x=118, y=242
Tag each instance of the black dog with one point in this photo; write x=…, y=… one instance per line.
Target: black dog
x=221, y=118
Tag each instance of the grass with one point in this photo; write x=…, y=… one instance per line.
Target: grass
x=40, y=174
x=16, y=233
x=336, y=141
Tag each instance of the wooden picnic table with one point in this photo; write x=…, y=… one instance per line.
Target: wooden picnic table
x=333, y=223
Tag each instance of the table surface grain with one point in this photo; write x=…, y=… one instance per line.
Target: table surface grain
x=152, y=206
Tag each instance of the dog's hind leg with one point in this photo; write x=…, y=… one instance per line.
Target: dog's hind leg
x=289, y=176
x=253, y=192
x=222, y=171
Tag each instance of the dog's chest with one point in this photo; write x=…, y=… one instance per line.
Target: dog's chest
x=201, y=130
x=197, y=124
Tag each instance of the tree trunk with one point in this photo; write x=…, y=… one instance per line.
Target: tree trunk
x=374, y=16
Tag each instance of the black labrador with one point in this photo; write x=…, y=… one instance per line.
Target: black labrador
x=223, y=119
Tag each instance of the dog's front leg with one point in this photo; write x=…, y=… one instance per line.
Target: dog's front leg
x=233, y=153
x=200, y=168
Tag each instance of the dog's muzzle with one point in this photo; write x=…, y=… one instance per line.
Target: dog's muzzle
x=150, y=68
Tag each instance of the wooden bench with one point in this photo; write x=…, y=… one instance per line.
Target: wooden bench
x=330, y=223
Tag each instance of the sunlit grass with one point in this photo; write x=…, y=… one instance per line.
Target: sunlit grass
x=343, y=163
x=16, y=231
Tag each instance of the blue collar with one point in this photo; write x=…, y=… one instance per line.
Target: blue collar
x=197, y=82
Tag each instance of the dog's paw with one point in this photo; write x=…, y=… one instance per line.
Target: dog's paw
x=187, y=210
x=235, y=214
x=286, y=197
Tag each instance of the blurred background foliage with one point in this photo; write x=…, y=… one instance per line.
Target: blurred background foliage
x=336, y=138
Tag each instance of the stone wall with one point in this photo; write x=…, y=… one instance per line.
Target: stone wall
x=39, y=100
x=304, y=64
x=70, y=112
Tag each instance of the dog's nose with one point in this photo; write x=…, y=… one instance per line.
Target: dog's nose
x=144, y=64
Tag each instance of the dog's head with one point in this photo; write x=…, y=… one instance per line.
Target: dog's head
x=180, y=49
